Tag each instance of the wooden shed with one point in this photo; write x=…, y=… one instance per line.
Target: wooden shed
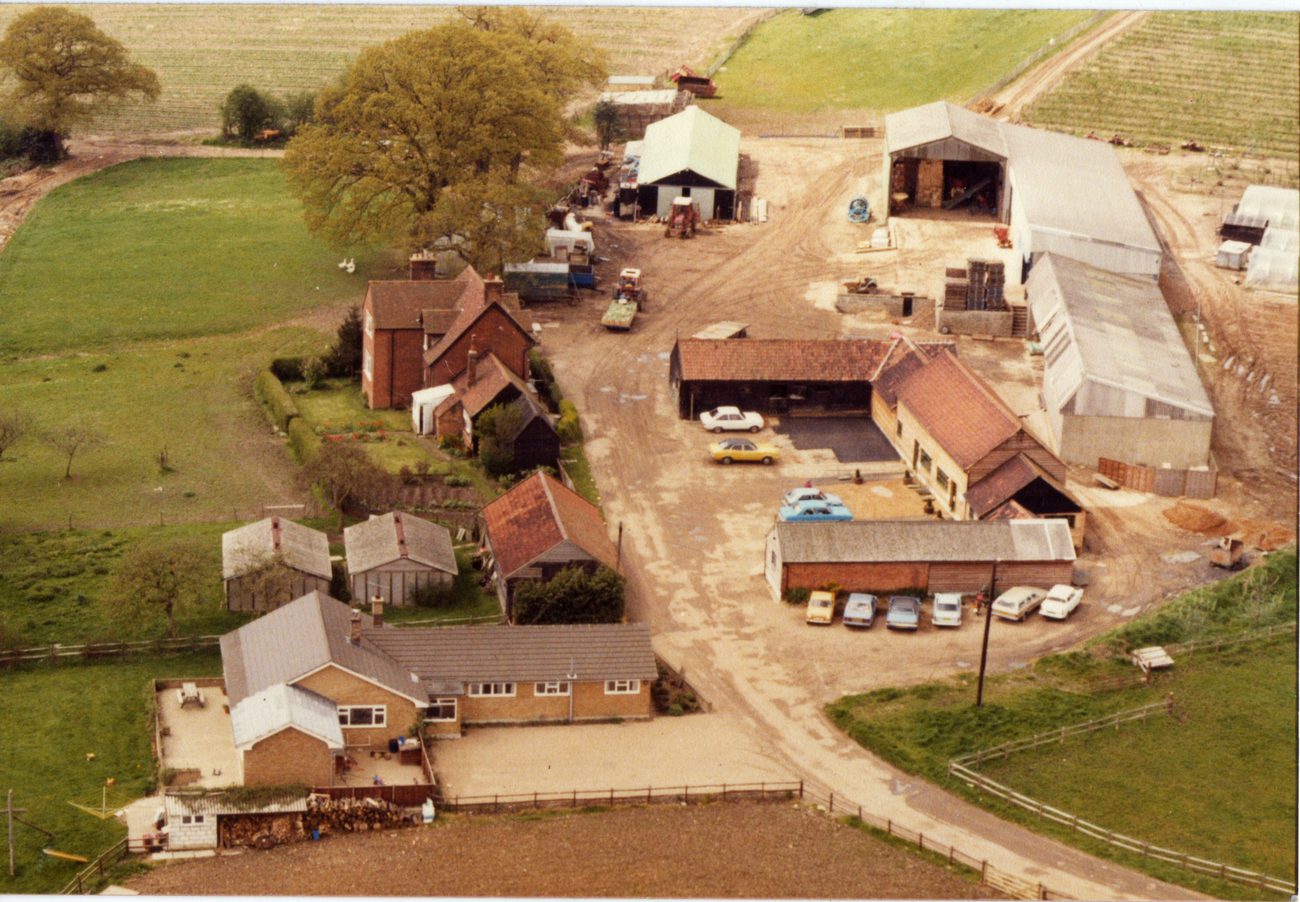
x=395, y=554
x=274, y=541
x=883, y=556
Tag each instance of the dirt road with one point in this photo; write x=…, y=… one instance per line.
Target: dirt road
x=1007, y=103
x=693, y=532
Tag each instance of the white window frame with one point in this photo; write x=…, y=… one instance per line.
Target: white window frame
x=491, y=690
x=378, y=715
x=622, y=687
x=370, y=324
x=552, y=687
x=439, y=702
x=367, y=363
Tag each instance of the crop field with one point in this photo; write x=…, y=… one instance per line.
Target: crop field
x=880, y=59
x=200, y=52
x=53, y=718
x=1229, y=79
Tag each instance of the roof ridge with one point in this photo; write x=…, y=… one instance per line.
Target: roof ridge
x=555, y=510
x=986, y=390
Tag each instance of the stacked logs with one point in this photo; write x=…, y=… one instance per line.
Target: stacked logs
x=347, y=815
x=260, y=831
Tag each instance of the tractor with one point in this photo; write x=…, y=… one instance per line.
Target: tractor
x=683, y=218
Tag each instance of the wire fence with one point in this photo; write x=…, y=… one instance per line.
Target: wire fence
x=1057, y=43
x=961, y=769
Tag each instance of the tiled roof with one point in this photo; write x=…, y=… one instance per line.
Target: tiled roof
x=927, y=540
x=492, y=378
x=298, y=638
x=957, y=409
x=397, y=304
x=780, y=359
x=457, y=655
x=905, y=357
x=301, y=547
x=470, y=314
x=538, y=514
x=393, y=536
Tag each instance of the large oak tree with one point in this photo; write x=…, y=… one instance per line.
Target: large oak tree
x=60, y=70
x=443, y=135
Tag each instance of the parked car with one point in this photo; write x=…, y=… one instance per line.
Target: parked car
x=904, y=612
x=814, y=512
x=946, y=610
x=821, y=608
x=860, y=610
x=734, y=449
x=1018, y=602
x=808, y=493
x=1060, y=602
x=731, y=419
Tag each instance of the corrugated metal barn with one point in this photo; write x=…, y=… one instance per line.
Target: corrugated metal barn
x=691, y=154
x=883, y=556
x=1118, y=382
x=1060, y=194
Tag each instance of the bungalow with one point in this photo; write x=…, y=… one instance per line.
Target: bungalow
x=273, y=541
x=396, y=554
x=882, y=556
x=538, y=528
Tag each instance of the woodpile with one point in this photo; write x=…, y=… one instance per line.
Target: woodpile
x=259, y=831
x=929, y=183
x=347, y=815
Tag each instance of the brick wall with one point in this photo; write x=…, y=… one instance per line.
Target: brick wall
x=589, y=703
x=289, y=756
x=398, y=367
x=875, y=578
x=494, y=332
x=343, y=688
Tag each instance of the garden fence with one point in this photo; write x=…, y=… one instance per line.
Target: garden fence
x=959, y=768
x=89, y=876
x=88, y=650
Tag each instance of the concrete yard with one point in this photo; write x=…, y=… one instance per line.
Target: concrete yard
x=198, y=738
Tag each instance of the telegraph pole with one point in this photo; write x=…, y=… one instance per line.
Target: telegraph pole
x=9, y=816
x=988, y=622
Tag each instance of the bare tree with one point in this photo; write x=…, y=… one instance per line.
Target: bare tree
x=14, y=424
x=344, y=473
x=268, y=577
x=74, y=437
x=156, y=579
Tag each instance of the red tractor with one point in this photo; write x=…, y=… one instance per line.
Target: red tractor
x=683, y=218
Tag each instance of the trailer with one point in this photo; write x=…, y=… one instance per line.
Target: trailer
x=619, y=315
x=539, y=282
x=582, y=275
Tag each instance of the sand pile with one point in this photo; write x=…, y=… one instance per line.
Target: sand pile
x=1194, y=518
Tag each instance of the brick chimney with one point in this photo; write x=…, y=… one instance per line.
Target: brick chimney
x=424, y=266
x=377, y=609
x=354, y=634
x=493, y=290
x=471, y=367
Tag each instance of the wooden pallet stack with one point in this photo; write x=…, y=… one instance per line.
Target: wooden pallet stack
x=954, y=288
x=980, y=286
x=929, y=183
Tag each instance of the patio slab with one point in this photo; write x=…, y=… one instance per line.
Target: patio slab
x=199, y=738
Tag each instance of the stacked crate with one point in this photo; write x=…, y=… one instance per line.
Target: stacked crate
x=929, y=183
x=954, y=288
x=980, y=286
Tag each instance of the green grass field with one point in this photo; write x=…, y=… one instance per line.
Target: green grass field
x=201, y=51
x=881, y=59
x=1229, y=79
x=921, y=728
x=51, y=717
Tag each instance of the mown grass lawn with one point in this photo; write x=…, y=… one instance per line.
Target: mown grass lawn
x=882, y=59
x=1236, y=731
x=1229, y=79
x=51, y=717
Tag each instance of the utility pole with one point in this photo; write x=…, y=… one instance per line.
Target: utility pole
x=9, y=816
x=988, y=621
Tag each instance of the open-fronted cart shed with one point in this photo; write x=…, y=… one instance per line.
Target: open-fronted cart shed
x=1118, y=382
x=690, y=154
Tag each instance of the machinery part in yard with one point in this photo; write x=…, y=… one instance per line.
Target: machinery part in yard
x=859, y=209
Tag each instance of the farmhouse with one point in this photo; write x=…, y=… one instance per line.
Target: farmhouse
x=955, y=434
x=774, y=374
x=1060, y=194
x=274, y=541
x=538, y=528
x=484, y=325
x=882, y=556
x=394, y=555
x=1118, y=381
x=401, y=319
x=690, y=154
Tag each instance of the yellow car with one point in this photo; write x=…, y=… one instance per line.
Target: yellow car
x=733, y=449
x=821, y=608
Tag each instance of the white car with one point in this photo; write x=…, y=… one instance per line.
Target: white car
x=731, y=419
x=808, y=493
x=860, y=610
x=946, y=610
x=1018, y=602
x=1061, y=602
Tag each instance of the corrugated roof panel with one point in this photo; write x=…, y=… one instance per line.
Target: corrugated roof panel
x=937, y=121
x=280, y=706
x=694, y=140
x=935, y=541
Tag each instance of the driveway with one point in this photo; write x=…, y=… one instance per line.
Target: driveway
x=693, y=531
x=852, y=439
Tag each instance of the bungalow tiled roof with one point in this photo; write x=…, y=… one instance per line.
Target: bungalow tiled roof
x=780, y=359
x=957, y=409
x=905, y=357
x=449, y=657
x=538, y=514
x=395, y=536
x=399, y=303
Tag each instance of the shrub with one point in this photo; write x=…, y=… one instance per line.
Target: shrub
x=270, y=391
x=313, y=371
x=455, y=481
x=344, y=358
x=288, y=369
x=571, y=596
x=796, y=595
x=541, y=370
x=568, y=427
x=434, y=595
x=303, y=441
x=245, y=111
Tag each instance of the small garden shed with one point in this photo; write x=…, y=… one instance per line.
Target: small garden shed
x=396, y=554
x=274, y=541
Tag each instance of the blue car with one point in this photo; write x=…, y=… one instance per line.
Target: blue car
x=904, y=612
x=808, y=493
x=814, y=512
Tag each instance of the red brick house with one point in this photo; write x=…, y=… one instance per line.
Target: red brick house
x=486, y=325
x=402, y=320
x=538, y=528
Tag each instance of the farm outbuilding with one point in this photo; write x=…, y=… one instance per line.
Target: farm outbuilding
x=1060, y=194
x=637, y=109
x=1262, y=207
x=394, y=555
x=195, y=820
x=774, y=374
x=883, y=556
x=690, y=154
x=274, y=541
x=1273, y=264
x=1118, y=382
